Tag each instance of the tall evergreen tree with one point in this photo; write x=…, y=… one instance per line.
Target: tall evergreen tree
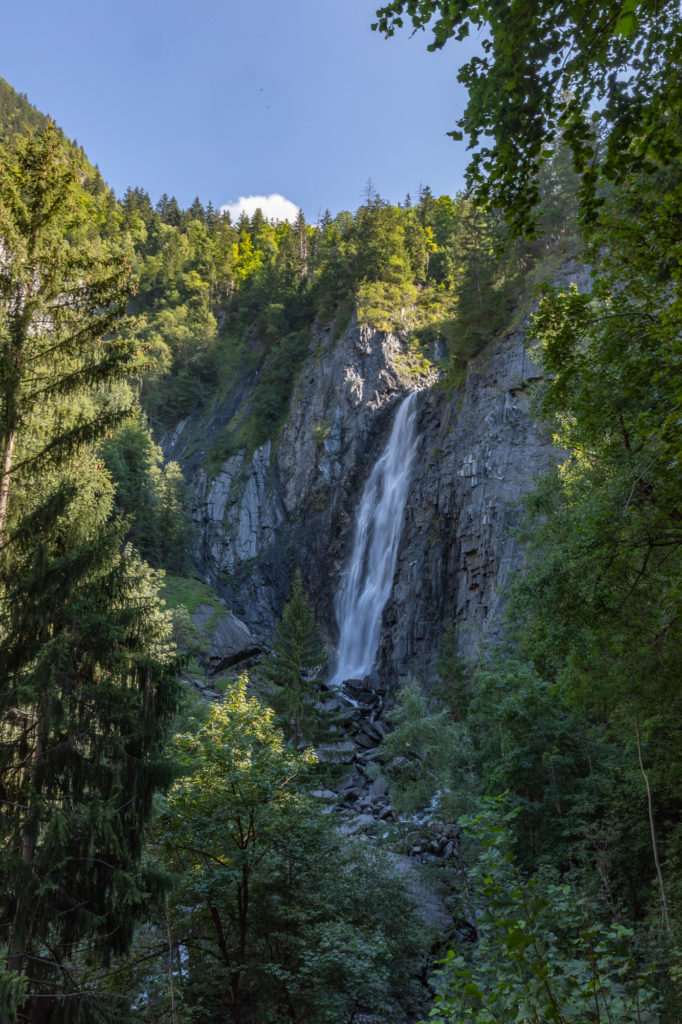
x=196, y=210
x=87, y=681
x=60, y=293
x=298, y=650
x=301, y=233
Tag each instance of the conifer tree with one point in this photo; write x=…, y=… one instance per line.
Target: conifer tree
x=298, y=649
x=196, y=210
x=86, y=676
x=301, y=233
x=60, y=293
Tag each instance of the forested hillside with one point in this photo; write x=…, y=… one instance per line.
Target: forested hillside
x=220, y=298
x=164, y=857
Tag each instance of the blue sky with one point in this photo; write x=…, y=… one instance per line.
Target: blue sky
x=229, y=99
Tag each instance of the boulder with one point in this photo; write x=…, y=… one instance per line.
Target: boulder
x=231, y=643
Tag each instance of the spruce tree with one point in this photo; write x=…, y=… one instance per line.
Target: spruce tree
x=86, y=670
x=60, y=294
x=298, y=650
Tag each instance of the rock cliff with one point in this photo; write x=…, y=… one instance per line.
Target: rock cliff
x=292, y=502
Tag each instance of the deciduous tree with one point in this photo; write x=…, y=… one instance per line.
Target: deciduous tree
x=280, y=919
x=603, y=78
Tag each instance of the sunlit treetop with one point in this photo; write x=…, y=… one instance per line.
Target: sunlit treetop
x=601, y=75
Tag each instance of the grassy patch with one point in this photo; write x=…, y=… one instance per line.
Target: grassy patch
x=188, y=592
x=183, y=595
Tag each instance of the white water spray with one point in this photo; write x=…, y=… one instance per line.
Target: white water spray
x=367, y=584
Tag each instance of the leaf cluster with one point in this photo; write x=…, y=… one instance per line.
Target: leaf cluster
x=601, y=78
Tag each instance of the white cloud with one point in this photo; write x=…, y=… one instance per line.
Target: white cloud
x=274, y=207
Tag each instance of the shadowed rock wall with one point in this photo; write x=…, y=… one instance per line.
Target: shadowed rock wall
x=292, y=504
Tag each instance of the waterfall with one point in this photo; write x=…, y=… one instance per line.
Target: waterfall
x=367, y=583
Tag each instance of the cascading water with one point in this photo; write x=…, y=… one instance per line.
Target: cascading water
x=367, y=583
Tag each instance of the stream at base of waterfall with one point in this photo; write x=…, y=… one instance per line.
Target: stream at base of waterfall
x=367, y=582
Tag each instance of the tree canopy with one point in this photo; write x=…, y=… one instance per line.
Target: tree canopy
x=279, y=917
x=603, y=77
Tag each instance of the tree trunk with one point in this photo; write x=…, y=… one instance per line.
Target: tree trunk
x=664, y=902
x=171, y=982
x=4, y=481
x=19, y=936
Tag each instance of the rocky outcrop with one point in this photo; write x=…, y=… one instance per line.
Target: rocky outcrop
x=481, y=451
x=292, y=503
x=339, y=416
x=237, y=512
x=231, y=644
x=224, y=639
x=480, y=454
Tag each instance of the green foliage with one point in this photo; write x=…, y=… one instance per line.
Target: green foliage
x=218, y=302
x=530, y=743
x=61, y=290
x=278, y=917
x=429, y=758
x=188, y=592
x=275, y=387
x=543, y=952
x=152, y=496
x=583, y=732
x=17, y=115
x=599, y=607
x=183, y=595
x=298, y=649
x=385, y=305
x=488, y=284
x=541, y=79
x=85, y=660
x=13, y=992
x=413, y=364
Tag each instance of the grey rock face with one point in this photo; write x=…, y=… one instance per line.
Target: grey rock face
x=481, y=452
x=257, y=520
x=231, y=643
x=238, y=512
x=229, y=640
x=344, y=396
x=293, y=504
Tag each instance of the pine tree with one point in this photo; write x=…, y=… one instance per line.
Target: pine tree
x=427, y=202
x=301, y=233
x=137, y=201
x=298, y=650
x=196, y=210
x=87, y=680
x=60, y=293
x=212, y=216
x=149, y=495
